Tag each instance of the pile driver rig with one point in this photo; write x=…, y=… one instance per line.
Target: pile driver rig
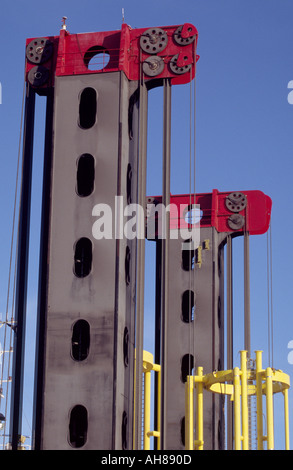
x=92, y=373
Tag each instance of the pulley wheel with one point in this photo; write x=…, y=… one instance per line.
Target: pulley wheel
x=236, y=221
x=236, y=202
x=178, y=70
x=38, y=76
x=180, y=40
x=39, y=50
x=153, y=40
x=153, y=66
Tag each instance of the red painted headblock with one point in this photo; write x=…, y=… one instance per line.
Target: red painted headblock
x=145, y=53
x=227, y=211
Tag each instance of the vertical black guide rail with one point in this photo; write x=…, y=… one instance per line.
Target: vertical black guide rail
x=157, y=326
x=165, y=256
x=22, y=270
x=43, y=273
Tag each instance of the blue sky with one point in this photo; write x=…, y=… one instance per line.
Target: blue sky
x=243, y=132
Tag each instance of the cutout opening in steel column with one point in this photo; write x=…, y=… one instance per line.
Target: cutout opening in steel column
x=85, y=177
x=80, y=340
x=78, y=426
x=187, y=306
x=83, y=257
x=87, y=108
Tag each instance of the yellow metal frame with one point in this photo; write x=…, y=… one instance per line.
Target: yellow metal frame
x=238, y=384
x=148, y=366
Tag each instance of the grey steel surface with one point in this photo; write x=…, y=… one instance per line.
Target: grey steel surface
x=102, y=383
x=203, y=338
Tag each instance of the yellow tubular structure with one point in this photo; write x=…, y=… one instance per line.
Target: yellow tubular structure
x=259, y=416
x=147, y=409
x=286, y=414
x=270, y=415
x=244, y=401
x=239, y=384
x=199, y=442
x=189, y=423
x=148, y=367
x=237, y=412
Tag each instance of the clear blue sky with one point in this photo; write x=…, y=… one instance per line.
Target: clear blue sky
x=244, y=129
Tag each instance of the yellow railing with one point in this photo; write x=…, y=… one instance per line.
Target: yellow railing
x=239, y=384
x=148, y=367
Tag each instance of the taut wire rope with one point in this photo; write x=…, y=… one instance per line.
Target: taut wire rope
x=7, y=322
x=192, y=218
x=270, y=296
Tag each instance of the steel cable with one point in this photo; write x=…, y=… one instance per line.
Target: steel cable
x=10, y=322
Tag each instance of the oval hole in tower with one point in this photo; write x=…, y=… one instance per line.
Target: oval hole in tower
x=78, y=426
x=127, y=265
x=96, y=58
x=126, y=346
x=87, y=108
x=187, y=306
x=124, y=430
x=85, y=175
x=80, y=340
x=193, y=214
x=129, y=183
x=188, y=255
x=187, y=365
x=83, y=257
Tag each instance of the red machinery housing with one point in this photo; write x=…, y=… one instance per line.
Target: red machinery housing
x=167, y=52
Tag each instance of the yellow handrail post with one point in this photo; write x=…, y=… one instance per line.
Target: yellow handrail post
x=199, y=395
x=286, y=418
x=258, y=356
x=244, y=401
x=157, y=368
x=189, y=439
x=270, y=412
x=237, y=421
x=147, y=409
